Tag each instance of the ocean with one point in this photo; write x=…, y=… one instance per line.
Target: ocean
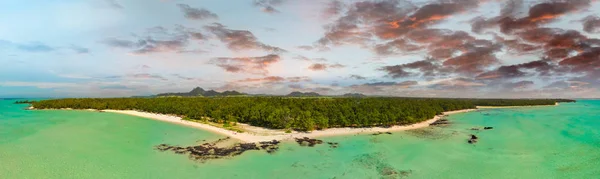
x=528, y=142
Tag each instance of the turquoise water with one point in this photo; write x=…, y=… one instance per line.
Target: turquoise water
x=537, y=142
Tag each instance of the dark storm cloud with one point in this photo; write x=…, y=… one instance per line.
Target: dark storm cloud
x=252, y=65
x=238, y=40
x=196, y=13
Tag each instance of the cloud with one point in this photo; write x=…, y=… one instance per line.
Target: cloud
x=160, y=39
x=358, y=77
x=541, y=67
x=587, y=62
x=457, y=84
x=252, y=65
x=43, y=85
x=324, y=66
x=305, y=47
x=518, y=85
x=79, y=49
x=379, y=87
x=297, y=79
x=196, y=13
x=427, y=67
x=591, y=24
x=114, y=4
x=142, y=76
x=268, y=79
x=178, y=76
x=333, y=8
x=238, y=40
x=117, y=87
x=538, y=14
x=396, y=46
x=474, y=61
x=35, y=47
x=268, y=6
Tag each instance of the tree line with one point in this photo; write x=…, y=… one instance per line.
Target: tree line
x=304, y=114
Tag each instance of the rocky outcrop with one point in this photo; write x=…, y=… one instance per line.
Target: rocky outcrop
x=305, y=141
x=440, y=122
x=209, y=151
x=473, y=139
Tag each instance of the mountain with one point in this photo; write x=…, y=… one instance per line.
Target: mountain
x=201, y=92
x=301, y=94
x=356, y=95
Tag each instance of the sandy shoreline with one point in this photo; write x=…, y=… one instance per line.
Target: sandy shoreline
x=257, y=134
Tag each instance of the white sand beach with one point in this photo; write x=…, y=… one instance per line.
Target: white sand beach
x=257, y=134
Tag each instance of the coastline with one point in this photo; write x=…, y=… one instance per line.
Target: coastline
x=499, y=107
x=258, y=134
x=253, y=134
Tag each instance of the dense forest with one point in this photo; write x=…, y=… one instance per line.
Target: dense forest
x=24, y=102
x=303, y=114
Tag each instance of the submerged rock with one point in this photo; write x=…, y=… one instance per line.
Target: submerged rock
x=333, y=144
x=488, y=128
x=440, y=122
x=379, y=133
x=305, y=141
x=208, y=151
x=473, y=139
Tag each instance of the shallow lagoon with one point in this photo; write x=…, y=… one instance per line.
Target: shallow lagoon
x=534, y=142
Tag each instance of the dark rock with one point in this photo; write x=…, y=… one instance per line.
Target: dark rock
x=333, y=144
x=488, y=128
x=440, y=122
x=473, y=139
x=208, y=151
x=305, y=141
x=379, y=133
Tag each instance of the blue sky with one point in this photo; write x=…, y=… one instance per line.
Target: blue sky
x=452, y=48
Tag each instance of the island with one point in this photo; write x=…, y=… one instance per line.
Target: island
x=261, y=122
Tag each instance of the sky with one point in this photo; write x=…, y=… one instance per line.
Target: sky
x=411, y=48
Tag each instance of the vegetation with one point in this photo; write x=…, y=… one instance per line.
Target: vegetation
x=293, y=113
x=24, y=102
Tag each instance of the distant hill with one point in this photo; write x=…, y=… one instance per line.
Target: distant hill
x=201, y=92
x=301, y=94
x=354, y=95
